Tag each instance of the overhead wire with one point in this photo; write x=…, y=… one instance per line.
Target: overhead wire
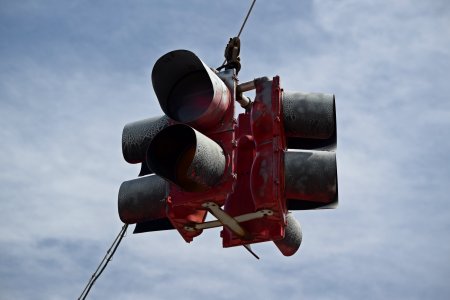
x=101, y=267
x=242, y=26
x=246, y=17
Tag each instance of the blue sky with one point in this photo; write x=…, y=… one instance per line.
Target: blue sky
x=72, y=74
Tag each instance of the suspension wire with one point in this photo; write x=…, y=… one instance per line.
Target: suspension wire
x=246, y=17
x=104, y=262
x=243, y=24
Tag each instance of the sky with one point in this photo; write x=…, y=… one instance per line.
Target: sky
x=73, y=73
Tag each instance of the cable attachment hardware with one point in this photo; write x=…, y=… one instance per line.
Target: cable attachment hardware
x=232, y=59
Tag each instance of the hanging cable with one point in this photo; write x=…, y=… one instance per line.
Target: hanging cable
x=246, y=17
x=236, y=39
x=104, y=262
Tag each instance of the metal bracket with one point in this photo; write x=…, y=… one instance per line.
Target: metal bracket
x=224, y=219
x=232, y=59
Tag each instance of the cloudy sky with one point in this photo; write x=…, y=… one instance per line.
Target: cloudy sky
x=73, y=73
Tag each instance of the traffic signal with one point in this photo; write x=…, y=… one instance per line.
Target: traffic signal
x=287, y=143
x=249, y=172
x=143, y=200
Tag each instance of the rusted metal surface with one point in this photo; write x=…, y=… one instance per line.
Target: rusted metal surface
x=186, y=157
x=136, y=137
x=309, y=120
x=268, y=136
x=239, y=200
x=311, y=176
x=142, y=199
x=309, y=115
x=189, y=91
x=292, y=237
x=259, y=168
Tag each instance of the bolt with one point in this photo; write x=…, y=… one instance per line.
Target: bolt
x=188, y=228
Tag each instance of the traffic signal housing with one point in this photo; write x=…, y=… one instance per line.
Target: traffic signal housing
x=249, y=172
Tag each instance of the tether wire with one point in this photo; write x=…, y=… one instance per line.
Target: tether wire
x=104, y=262
x=243, y=24
x=246, y=17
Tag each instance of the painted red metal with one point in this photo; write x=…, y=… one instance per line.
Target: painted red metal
x=185, y=208
x=254, y=176
x=259, y=168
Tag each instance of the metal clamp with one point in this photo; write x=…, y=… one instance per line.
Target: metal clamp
x=224, y=219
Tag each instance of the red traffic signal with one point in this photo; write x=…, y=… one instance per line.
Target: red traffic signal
x=189, y=92
x=277, y=156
